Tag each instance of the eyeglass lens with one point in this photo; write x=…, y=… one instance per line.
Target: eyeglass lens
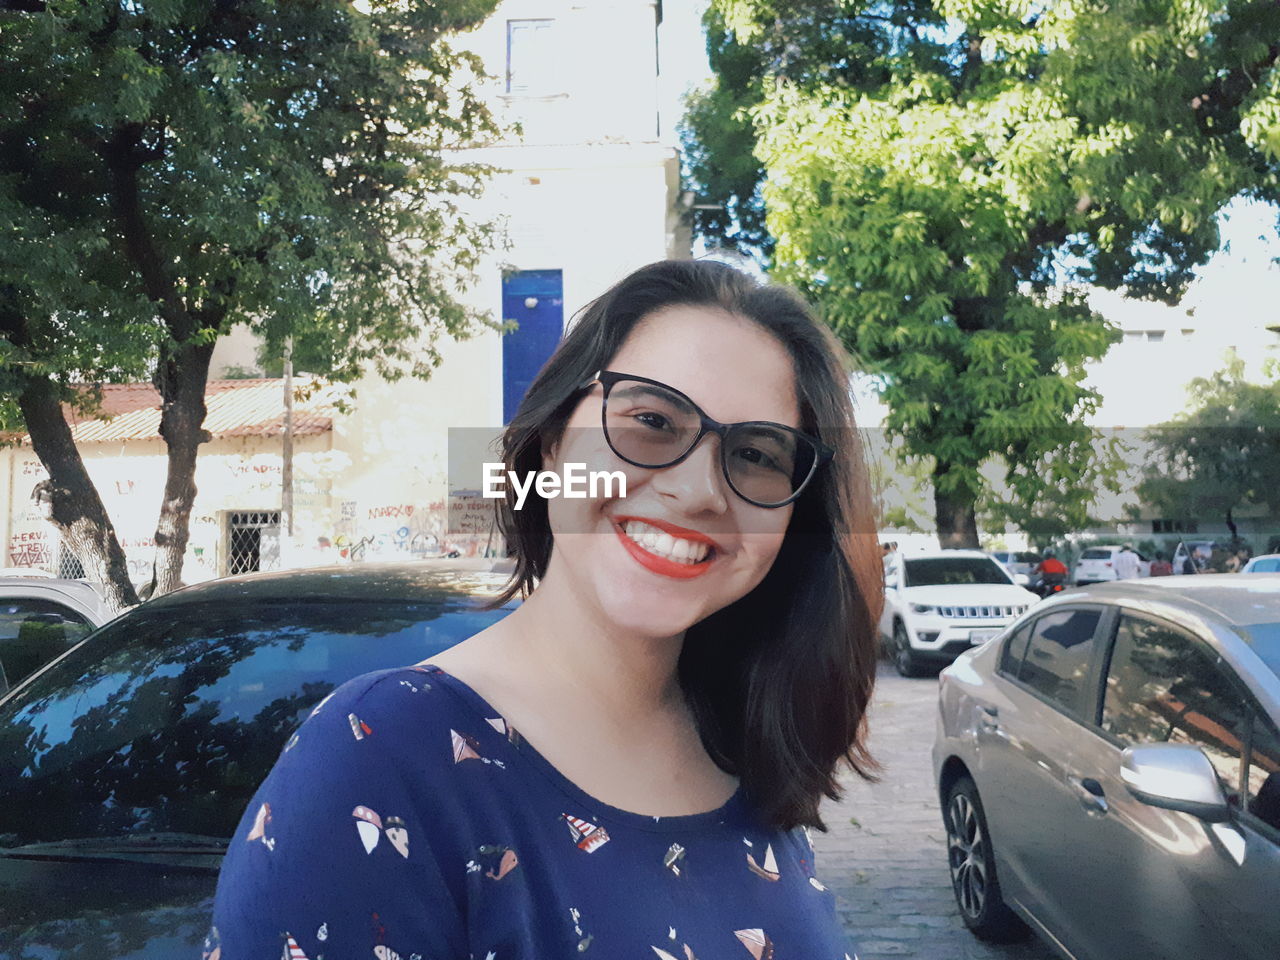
x=654, y=427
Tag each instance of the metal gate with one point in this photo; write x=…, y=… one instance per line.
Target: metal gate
x=252, y=541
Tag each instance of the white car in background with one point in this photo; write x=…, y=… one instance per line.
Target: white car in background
x=41, y=618
x=942, y=602
x=1098, y=565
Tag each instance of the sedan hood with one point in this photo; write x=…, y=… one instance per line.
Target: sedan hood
x=970, y=594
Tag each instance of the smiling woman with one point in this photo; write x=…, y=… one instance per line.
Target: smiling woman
x=662, y=716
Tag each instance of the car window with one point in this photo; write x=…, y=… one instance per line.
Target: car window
x=34, y=631
x=938, y=571
x=1163, y=685
x=1262, y=780
x=1058, y=655
x=1096, y=554
x=167, y=722
x=1015, y=648
x=1266, y=565
x=1028, y=558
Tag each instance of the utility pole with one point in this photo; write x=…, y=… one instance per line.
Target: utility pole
x=286, y=460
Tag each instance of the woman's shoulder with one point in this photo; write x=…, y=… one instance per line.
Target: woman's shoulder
x=393, y=710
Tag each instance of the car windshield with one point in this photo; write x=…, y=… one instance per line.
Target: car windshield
x=1266, y=565
x=167, y=719
x=1096, y=554
x=1265, y=638
x=937, y=571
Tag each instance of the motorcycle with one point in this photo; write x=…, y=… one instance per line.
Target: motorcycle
x=1046, y=585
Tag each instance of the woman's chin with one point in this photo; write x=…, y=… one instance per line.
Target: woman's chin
x=646, y=612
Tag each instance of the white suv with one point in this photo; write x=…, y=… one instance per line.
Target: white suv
x=940, y=603
x=1098, y=564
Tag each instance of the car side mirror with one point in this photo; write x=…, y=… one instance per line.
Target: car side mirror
x=1021, y=579
x=1175, y=776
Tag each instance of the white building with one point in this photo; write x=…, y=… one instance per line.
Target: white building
x=591, y=192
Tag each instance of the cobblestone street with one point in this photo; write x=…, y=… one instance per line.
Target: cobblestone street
x=885, y=855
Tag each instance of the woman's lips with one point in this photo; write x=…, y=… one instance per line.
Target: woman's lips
x=657, y=564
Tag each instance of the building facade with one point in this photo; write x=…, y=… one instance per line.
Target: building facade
x=589, y=190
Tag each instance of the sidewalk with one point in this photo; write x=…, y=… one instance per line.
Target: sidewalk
x=885, y=855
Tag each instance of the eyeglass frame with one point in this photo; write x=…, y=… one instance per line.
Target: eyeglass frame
x=823, y=453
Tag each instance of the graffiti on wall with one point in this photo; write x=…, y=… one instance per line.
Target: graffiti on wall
x=30, y=549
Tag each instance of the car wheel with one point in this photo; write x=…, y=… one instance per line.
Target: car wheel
x=973, y=869
x=904, y=659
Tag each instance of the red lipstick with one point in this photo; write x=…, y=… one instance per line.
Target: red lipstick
x=661, y=565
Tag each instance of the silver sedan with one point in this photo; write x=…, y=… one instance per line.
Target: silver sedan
x=1109, y=772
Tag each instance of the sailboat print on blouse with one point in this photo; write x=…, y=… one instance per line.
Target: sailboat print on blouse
x=291, y=949
x=769, y=870
x=672, y=859
x=757, y=942
x=675, y=952
x=359, y=729
x=504, y=728
x=259, y=829
x=588, y=836
x=467, y=747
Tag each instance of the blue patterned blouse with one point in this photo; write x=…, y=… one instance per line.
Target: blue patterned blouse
x=406, y=820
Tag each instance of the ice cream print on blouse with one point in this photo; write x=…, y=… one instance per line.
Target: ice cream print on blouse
x=408, y=820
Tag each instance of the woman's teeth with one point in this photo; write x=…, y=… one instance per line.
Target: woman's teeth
x=664, y=545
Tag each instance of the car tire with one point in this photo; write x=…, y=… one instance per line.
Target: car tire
x=973, y=870
x=904, y=659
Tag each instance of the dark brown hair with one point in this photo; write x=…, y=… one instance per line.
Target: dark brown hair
x=778, y=681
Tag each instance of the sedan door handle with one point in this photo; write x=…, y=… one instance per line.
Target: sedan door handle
x=1090, y=794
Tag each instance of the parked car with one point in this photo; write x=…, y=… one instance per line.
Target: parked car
x=941, y=602
x=1109, y=772
x=1098, y=564
x=1263, y=563
x=42, y=618
x=1199, y=550
x=125, y=765
x=1017, y=562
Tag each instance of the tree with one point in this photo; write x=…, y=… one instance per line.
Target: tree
x=170, y=168
x=1222, y=456
x=943, y=179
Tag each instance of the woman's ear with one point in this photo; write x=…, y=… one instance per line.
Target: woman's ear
x=550, y=451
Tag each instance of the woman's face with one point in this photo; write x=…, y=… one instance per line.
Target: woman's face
x=608, y=547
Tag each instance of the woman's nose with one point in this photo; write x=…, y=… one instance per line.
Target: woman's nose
x=697, y=482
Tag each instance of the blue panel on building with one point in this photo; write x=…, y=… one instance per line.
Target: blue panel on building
x=535, y=300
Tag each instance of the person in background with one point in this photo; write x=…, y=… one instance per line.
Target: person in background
x=1127, y=563
x=1160, y=567
x=1049, y=567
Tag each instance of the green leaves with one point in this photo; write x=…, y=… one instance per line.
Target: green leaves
x=945, y=201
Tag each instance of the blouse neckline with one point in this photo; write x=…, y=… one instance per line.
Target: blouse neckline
x=732, y=811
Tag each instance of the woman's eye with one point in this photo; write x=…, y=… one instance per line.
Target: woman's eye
x=654, y=421
x=757, y=458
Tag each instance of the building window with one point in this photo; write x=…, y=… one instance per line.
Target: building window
x=253, y=541
x=530, y=59
x=1173, y=526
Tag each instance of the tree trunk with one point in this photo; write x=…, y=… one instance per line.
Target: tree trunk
x=75, y=507
x=1231, y=525
x=954, y=514
x=181, y=377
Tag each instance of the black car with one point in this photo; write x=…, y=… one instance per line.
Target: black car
x=125, y=765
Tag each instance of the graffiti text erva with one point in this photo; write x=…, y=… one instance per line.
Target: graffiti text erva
x=576, y=484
